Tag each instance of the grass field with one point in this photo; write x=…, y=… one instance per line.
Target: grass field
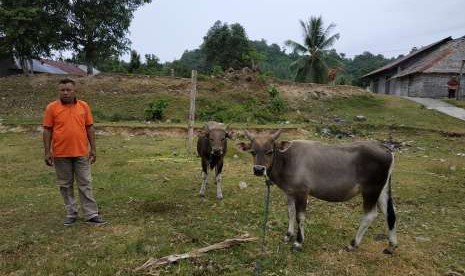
x=148, y=190
x=154, y=210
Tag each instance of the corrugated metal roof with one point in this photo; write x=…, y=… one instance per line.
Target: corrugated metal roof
x=407, y=57
x=55, y=67
x=68, y=68
x=40, y=67
x=446, y=59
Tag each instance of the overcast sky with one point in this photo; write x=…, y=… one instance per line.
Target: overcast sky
x=167, y=28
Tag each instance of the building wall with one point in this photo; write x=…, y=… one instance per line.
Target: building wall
x=395, y=87
x=435, y=85
x=404, y=86
x=415, y=86
x=381, y=84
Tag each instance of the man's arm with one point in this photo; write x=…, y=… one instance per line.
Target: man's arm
x=91, y=137
x=47, y=137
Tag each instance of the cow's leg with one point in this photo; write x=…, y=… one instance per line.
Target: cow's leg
x=300, y=207
x=290, y=235
x=219, y=178
x=386, y=206
x=204, y=177
x=370, y=213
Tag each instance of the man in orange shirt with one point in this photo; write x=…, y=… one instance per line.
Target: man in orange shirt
x=68, y=131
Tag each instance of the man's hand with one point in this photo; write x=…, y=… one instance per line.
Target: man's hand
x=92, y=157
x=48, y=159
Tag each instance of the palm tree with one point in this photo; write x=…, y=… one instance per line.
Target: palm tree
x=311, y=65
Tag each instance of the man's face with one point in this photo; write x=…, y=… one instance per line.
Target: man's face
x=66, y=92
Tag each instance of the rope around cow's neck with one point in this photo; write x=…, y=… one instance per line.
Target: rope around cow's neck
x=268, y=183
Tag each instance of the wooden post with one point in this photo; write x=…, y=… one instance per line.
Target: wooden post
x=190, y=129
x=459, y=87
x=172, y=73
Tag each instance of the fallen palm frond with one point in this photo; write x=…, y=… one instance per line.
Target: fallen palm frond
x=154, y=263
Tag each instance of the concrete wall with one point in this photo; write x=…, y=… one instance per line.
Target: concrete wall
x=419, y=85
x=435, y=85
x=415, y=88
x=404, y=86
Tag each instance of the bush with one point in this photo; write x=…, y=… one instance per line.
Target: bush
x=155, y=110
x=275, y=103
x=217, y=70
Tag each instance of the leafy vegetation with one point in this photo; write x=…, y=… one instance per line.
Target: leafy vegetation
x=31, y=29
x=93, y=30
x=155, y=110
x=311, y=66
x=226, y=46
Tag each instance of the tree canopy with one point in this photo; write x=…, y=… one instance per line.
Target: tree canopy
x=226, y=46
x=94, y=30
x=32, y=28
x=311, y=66
x=99, y=28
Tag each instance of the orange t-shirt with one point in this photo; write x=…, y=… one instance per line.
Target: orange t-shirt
x=69, y=136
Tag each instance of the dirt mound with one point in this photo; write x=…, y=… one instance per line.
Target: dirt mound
x=305, y=91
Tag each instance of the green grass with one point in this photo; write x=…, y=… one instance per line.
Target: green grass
x=459, y=103
x=122, y=100
x=154, y=210
x=152, y=203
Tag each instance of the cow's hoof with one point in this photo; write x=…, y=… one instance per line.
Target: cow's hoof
x=219, y=198
x=297, y=247
x=351, y=247
x=390, y=250
x=288, y=238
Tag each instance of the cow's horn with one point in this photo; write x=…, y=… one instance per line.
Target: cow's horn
x=275, y=135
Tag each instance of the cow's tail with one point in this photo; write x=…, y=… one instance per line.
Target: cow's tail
x=390, y=212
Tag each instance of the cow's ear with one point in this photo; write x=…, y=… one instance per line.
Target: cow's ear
x=244, y=146
x=283, y=146
x=201, y=133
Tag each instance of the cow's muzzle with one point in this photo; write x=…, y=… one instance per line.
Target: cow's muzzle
x=259, y=170
x=218, y=151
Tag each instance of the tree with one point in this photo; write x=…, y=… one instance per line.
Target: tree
x=152, y=62
x=100, y=28
x=32, y=28
x=311, y=65
x=272, y=59
x=114, y=65
x=134, y=63
x=363, y=64
x=226, y=46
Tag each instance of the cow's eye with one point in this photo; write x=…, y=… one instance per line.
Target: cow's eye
x=269, y=152
x=253, y=152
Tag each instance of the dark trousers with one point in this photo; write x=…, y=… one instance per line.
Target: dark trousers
x=451, y=94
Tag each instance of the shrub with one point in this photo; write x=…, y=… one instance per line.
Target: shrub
x=275, y=102
x=155, y=110
x=217, y=70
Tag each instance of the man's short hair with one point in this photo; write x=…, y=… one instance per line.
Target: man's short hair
x=67, y=80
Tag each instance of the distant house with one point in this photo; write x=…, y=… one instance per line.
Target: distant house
x=422, y=73
x=12, y=66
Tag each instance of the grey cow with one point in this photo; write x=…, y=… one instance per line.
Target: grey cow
x=211, y=147
x=333, y=173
